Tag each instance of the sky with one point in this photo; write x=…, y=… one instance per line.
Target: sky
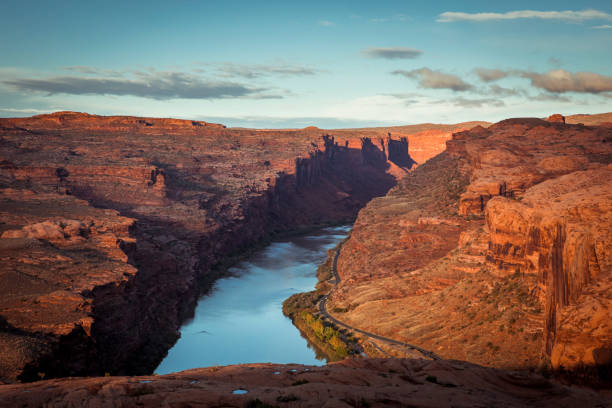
x=279, y=64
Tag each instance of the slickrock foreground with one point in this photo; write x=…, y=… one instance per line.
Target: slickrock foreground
x=350, y=383
x=498, y=251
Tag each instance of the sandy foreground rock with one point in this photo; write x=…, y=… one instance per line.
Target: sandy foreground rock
x=350, y=383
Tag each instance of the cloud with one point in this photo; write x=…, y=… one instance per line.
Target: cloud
x=567, y=15
x=603, y=27
x=392, y=52
x=477, y=103
x=294, y=122
x=396, y=17
x=154, y=85
x=435, y=79
x=84, y=69
x=326, y=23
x=558, y=81
x=550, y=97
x=554, y=81
x=490, y=75
x=501, y=91
x=25, y=110
x=256, y=71
x=555, y=62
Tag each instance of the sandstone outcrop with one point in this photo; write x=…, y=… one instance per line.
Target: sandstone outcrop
x=561, y=231
x=183, y=195
x=111, y=227
x=424, y=140
x=50, y=267
x=372, y=155
x=598, y=119
x=496, y=251
x=556, y=118
x=398, y=152
x=350, y=383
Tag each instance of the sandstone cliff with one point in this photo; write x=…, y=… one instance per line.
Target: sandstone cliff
x=496, y=251
x=111, y=227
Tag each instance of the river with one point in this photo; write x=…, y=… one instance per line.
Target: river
x=241, y=319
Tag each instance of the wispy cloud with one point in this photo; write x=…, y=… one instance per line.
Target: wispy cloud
x=560, y=80
x=153, y=85
x=435, y=79
x=477, y=103
x=501, y=91
x=25, y=110
x=85, y=69
x=326, y=23
x=490, y=75
x=555, y=62
x=603, y=27
x=256, y=71
x=392, y=52
x=554, y=81
x=548, y=97
x=566, y=15
x=395, y=17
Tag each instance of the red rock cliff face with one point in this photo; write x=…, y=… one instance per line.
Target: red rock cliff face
x=561, y=231
x=550, y=215
x=89, y=291
x=496, y=251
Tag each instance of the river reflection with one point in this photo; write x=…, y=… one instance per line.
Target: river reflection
x=241, y=320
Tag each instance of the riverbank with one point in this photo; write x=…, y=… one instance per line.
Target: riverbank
x=301, y=308
x=309, y=313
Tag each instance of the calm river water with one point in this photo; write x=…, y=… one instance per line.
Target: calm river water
x=241, y=320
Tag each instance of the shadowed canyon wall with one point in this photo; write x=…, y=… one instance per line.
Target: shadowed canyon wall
x=113, y=226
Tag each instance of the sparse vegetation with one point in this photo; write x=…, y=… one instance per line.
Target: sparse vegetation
x=326, y=333
x=301, y=308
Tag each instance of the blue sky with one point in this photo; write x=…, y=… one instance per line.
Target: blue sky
x=329, y=64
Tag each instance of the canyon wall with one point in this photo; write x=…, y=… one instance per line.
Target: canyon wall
x=111, y=227
x=497, y=251
x=549, y=215
x=398, y=152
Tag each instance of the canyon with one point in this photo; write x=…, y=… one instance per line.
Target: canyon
x=496, y=251
x=487, y=243
x=111, y=227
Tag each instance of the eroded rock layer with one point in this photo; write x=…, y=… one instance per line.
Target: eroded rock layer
x=111, y=227
x=496, y=251
x=350, y=383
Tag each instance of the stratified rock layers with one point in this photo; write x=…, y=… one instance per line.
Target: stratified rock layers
x=515, y=267
x=561, y=231
x=112, y=226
